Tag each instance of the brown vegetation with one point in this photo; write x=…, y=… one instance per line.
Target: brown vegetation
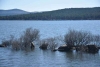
x=49, y=43
x=24, y=42
x=80, y=40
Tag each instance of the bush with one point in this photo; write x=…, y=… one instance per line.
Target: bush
x=25, y=41
x=75, y=38
x=28, y=37
x=96, y=39
x=8, y=42
x=16, y=44
x=51, y=43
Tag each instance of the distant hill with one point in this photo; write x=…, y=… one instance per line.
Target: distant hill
x=12, y=12
x=62, y=14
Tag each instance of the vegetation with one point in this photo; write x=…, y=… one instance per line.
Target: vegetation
x=80, y=40
x=76, y=38
x=28, y=37
x=63, y=14
x=50, y=43
x=25, y=41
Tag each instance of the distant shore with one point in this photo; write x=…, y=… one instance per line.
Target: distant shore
x=62, y=14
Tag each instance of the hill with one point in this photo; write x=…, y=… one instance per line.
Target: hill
x=62, y=14
x=12, y=12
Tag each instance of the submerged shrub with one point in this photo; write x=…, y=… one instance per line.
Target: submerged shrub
x=50, y=43
x=74, y=38
x=25, y=41
x=28, y=37
x=7, y=42
x=16, y=44
x=96, y=39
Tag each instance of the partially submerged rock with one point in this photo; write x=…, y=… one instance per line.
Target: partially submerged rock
x=2, y=45
x=88, y=48
x=55, y=49
x=44, y=46
x=32, y=45
x=5, y=44
x=65, y=48
x=92, y=49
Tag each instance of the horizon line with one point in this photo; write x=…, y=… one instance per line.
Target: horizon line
x=48, y=10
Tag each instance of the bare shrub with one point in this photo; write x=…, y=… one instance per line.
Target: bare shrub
x=96, y=40
x=28, y=37
x=25, y=41
x=50, y=43
x=16, y=44
x=73, y=38
x=8, y=42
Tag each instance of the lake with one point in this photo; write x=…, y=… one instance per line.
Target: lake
x=47, y=58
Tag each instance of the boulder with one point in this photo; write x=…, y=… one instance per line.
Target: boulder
x=44, y=46
x=55, y=49
x=5, y=44
x=2, y=46
x=32, y=45
x=65, y=48
x=99, y=47
x=91, y=48
x=88, y=48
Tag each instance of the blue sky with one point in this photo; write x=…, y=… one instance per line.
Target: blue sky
x=46, y=5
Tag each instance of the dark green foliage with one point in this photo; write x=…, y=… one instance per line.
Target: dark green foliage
x=63, y=14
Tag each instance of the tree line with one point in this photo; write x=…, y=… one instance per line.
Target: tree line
x=62, y=14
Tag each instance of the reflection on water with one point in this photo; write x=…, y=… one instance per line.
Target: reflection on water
x=47, y=58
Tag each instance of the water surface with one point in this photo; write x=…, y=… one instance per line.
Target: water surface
x=47, y=58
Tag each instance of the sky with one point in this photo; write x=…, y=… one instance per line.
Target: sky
x=46, y=5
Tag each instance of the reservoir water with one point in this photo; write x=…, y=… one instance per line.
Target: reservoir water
x=47, y=58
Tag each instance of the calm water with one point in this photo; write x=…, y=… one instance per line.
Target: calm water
x=40, y=58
